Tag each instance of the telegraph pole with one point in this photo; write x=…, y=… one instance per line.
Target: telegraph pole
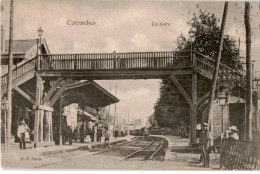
x=215, y=77
x=114, y=129
x=128, y=122
x=60, y=121
x=10, y=75
x=249, y=99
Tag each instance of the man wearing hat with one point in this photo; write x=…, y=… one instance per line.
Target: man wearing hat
x=233, y=133
x=22, y=128
x=205, y=144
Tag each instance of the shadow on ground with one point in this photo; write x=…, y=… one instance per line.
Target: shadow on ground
x=181, y=149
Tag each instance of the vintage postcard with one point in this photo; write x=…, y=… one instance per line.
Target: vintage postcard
x=130, y=85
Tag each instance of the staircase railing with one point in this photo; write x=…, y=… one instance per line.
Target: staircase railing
x=19, y=71
x=225, y=73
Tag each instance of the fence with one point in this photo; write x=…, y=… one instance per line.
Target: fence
x=242, y=155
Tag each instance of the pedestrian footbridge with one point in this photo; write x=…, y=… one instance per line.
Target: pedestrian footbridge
x=133, y=65
x=61, y=69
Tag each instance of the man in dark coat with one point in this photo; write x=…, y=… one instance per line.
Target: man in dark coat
x=69, y=135
x=75, y=134
x=205, y=144
x=99, y=134
x=81, y=134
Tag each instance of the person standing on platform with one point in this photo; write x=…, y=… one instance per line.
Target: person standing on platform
x=116, y=133
x=22, y=129
x=75, y=134
x=64, y=131
x=205, y=144
x=69, y=135
x=99, y=134
x=92, y=134
x=107, y=137
x=233, y=133
x=81, y=134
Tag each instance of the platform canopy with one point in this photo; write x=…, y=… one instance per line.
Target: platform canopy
x=88, y=93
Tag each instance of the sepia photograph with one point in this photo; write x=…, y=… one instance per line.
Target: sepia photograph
x=130, y=85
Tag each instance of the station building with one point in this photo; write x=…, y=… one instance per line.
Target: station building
x=233, y=113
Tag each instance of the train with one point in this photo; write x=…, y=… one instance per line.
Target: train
x=139, y=132
x=151, y=130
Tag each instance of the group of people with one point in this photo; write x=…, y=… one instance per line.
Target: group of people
x=119, y=133
x=205, y=141
x=23, y=134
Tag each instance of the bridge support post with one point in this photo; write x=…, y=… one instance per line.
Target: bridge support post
x=43, y=117
x=38, y=96
x=193, y=109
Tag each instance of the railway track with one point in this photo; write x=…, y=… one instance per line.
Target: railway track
x=136, y=140
x=121, y=145
x=139, y=151
x=148, y=152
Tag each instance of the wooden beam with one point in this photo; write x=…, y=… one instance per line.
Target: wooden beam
x=59, y=92
x=194, y=109
x=203, y=97
x=180, y=88
x=116, y=74
x=38, y=98
x=207, y=94
x=45, y=108
x=203, y=104
x=19, y=81
x=25, y=95
x=52, y=90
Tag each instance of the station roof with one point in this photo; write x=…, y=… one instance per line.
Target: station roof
x=88, y=93
x=20, y=49
x=88, y=115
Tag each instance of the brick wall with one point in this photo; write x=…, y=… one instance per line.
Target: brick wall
x=217, y=115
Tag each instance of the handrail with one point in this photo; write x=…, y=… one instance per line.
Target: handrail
x=226, y=74
x=127, y=60
x=19, y=71
x=133, y=60
x=118, y=53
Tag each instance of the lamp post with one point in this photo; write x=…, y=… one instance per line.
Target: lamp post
x=222, y=102
x=40, y=32
x=191, y=35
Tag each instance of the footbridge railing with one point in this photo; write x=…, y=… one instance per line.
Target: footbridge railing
x=111, y=61
x=151, y=61
x=136, y=60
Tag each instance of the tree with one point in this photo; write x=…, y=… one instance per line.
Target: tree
x=206, y=40
x=171, y=109
x=152, y=120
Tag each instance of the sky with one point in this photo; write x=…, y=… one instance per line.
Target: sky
x=122, y=26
